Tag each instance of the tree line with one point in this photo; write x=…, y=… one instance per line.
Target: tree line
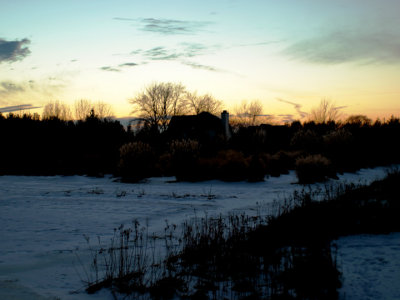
x=34, y=146
x=156, y=105
x=82, y=109
x=96, y=144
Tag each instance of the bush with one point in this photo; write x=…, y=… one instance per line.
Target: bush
x=307, y=140
x=232, y=166
x=185, y=154
x=338, y=138
x=280, y=163
x=137, y=161
x=339, y=148
x=165, y=165
x=256, y=168
x=207, y=168
x=314, y=168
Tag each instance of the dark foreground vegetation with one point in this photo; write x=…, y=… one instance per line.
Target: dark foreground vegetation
x=31, y=146
x=289, y=254
x=95, y=146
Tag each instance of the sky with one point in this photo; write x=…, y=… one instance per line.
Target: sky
x=288, y=54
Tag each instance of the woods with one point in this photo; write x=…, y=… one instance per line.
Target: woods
x=96, y=146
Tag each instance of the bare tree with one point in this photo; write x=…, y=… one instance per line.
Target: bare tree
x=102, y=110
x=204, y=103
x=325, y=112
x=248, y=113
x=179, y=105
x=57, y=109
x=158, y=103
x=84, y=108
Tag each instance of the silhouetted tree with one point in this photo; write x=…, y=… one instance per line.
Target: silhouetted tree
x=158, y=103
x=325, y=112
x=83, y=109
x=205, y=103
x=56, y=109
x=248, y=112
x=103, y=110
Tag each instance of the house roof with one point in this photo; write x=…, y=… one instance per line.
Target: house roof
x=195, y=126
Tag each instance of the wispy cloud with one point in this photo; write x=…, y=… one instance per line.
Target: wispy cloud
x=137, y=51
x=200, y=66
x=264, y=43
x=21, y=107
x=130, y=64
x=11, y=51
x=347, y=46
x=8, y=87
x=296, y=106
x=182, y=50
x=124, y=19
x=166, y=26
x=171, y=27
x=181, y=53
x=161, y=53
x=110, y=69
x=12, y=92
x=118, y=68
x=195, y=49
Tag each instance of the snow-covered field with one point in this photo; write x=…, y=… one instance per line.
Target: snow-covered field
x=371, y=266
x=43, y=221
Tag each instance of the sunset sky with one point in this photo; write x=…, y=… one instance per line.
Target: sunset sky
x=289, y=54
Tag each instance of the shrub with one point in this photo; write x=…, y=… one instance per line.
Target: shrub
x=185, y=154
x=306, y=140
x=257, y=168
x=337, y=139
x=232, y=166
x=165, y=164
x=339, y=148
x=137, y=161
x=184, y=148
x=280, y=163
x=313, y=168
x=207, y=168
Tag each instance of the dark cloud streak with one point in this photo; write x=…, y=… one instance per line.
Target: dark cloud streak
x=118, y=69
x=172, y=27
x=110, y=69
x=180, y=53
x=12, y=51
x=296, y=106
x=128, y=65
x=21, y=107
x=184, y=50
x=162, y=53
x=166, y=26
x=200, y=66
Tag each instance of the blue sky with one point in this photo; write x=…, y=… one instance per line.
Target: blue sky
x=296, y=51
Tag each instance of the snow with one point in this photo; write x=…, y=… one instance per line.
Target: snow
x=371, y=266
x=43, y=221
